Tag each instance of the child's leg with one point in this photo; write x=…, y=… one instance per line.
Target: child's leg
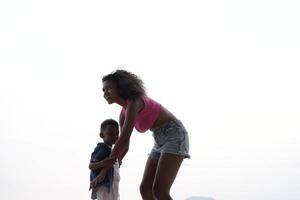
x=102, y=193
x=115, y=185
x=112, y=193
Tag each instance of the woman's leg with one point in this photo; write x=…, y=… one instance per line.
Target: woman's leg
x=166, y=172
x=148, y=178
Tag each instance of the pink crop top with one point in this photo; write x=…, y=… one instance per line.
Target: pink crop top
x=146, y=118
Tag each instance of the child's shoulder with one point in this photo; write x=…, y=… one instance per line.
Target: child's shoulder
x=101, y=149
x=101, y=145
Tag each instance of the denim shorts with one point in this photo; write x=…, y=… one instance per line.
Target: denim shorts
x=171, y=138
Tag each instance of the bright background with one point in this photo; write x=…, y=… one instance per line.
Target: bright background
x=228, y=69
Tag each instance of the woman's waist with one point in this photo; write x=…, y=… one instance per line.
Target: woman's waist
x=164, y=118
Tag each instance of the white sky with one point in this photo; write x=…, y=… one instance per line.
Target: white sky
x=228, y=69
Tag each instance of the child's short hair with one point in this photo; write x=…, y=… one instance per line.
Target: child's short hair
x=108, y=122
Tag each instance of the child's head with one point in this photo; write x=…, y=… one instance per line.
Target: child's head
x=123, y=84
x=109, y=131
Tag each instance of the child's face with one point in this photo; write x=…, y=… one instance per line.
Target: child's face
x=110, y=134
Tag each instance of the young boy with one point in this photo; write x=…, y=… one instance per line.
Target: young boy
x=108, y=189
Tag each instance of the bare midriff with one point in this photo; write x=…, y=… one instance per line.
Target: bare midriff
x=164, y=117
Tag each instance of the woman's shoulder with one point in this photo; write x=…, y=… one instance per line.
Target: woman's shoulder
x=136, y=104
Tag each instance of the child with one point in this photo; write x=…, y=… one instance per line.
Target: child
x=108, y=189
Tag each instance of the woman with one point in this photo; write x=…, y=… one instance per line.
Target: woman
x=171, y=143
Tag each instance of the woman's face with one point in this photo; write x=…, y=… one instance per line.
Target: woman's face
x=110, y=92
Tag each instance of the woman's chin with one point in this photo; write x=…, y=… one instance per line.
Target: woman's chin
x=109, y=102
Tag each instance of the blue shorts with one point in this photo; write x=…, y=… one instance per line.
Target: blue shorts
x=171, y=138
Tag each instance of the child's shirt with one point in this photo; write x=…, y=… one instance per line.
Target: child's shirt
x=101, y=152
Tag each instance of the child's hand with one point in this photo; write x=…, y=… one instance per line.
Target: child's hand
x=99, y=178
x=93, y=184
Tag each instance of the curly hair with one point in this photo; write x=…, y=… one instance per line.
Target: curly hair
x=129, y=85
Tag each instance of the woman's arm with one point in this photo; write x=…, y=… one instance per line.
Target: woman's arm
x=121, y=122
x=126, y=124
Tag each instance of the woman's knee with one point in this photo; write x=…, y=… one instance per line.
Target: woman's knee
x=161, y=192
x=145, y=189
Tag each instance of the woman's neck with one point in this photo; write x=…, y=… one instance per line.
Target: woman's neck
x=122, y=102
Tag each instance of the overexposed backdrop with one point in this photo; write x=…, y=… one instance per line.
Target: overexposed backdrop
x=228, y=69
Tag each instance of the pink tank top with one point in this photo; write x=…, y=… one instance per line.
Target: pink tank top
x=146, y=118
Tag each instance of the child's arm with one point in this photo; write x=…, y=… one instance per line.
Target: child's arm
x=103, y=163
x=100, y=157
x=99, y=178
